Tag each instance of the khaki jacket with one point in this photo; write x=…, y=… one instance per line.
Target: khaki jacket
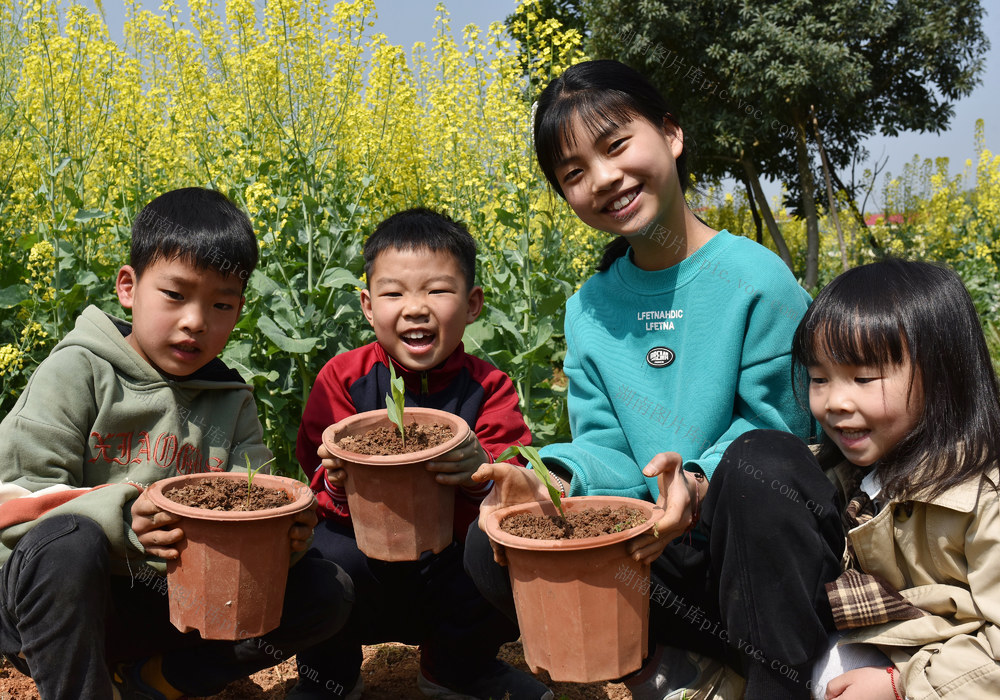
x=943, y=556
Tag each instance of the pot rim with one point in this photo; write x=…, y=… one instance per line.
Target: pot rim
x=369, y=419
x=301, y=502
x=494, y=532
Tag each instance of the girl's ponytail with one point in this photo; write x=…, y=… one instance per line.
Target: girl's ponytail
x=617, y=248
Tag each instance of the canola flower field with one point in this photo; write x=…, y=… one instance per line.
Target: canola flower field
x=320, y=128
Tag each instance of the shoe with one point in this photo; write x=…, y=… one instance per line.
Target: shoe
x=314, y=691
x=675, y=674
x=129, y=685
x=500, y=682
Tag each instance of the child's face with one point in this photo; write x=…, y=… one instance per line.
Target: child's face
x=419, y=303
x=181, y=315
x=624, y=180
x=865, y=411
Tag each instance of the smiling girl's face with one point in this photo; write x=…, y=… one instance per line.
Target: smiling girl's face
x=624, y=179
x=865, y=410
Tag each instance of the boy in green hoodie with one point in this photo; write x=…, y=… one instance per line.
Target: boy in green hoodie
x=115, y=407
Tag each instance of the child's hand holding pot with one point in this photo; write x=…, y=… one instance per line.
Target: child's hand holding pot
x=302, y=527
x=511, y=485
x=335, y=472
x=456, y=466
x=151, y=525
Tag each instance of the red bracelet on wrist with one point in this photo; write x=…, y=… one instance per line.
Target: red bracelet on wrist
x=892, y=679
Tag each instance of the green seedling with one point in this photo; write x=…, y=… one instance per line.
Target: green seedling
x=251, y=473
x=394, y=402
x=531, y=454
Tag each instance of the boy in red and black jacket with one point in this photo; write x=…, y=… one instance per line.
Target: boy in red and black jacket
x=421, y=294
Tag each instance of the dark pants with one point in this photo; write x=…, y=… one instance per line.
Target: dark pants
x=749, y=589
x=71, y=618
x=430, y=602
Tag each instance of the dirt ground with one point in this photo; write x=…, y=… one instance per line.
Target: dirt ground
x=390, y=673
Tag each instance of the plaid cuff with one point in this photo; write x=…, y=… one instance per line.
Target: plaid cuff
x=859, y=600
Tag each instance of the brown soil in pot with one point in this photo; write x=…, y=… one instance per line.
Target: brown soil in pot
x=227, y=494
x=385, y=440
x=578, y=524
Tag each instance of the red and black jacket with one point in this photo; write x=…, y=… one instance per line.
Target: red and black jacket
x=358, y=380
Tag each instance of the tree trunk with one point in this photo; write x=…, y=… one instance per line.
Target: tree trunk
x=765, y=212
x=872, y=241
x=829, y=192
x=757, y=224
x=808, y=189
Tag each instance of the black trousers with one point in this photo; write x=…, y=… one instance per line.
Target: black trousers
x=71, y=618
x=748, y=587
x=430, y=602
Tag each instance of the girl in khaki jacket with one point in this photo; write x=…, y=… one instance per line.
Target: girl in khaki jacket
x=901, y=382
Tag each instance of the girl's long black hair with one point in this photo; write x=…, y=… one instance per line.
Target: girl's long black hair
x=884, y=313
x=601, y=94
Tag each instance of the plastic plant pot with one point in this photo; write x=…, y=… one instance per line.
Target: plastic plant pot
x=398, y=508
x=582, y=605
x=229, y=581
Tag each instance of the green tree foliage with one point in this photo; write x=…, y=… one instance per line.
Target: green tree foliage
x=754, y=80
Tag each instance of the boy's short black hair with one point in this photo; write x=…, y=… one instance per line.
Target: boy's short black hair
x=423, y=228
x=199, y=225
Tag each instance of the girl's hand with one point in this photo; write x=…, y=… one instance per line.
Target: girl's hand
x=511, y=485
x=302, y=527
x=150, y=524
x=868, y=683
x=677, y=500
x=456, y=466
x=335, y=472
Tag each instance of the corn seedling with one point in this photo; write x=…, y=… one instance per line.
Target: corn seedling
x=394, y=402
x=538, y=466
x=251, y=473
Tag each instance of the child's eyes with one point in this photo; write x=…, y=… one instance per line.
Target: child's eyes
x=571, y=175
x=171, y=294
x=617, y=145
x=817, y=380
x=222, y=306
x=865, y=380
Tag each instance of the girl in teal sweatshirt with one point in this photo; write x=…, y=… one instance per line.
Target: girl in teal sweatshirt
x=677, y=347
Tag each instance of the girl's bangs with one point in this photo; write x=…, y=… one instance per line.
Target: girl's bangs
x=598, y=111
x=855, y=338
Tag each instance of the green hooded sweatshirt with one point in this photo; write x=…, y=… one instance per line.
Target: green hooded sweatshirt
x=97, y=423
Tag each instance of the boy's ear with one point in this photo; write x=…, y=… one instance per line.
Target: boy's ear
x=475, y=304
x=366, y=306
x=125, y=286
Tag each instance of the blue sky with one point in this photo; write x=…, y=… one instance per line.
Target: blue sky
x=405, y=22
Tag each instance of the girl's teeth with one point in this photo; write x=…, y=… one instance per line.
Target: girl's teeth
x=623, y=202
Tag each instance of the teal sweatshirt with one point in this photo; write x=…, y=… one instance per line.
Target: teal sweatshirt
x=685, y=360
x=97, y=423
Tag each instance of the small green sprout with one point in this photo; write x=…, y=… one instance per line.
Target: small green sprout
x=531, y=454
x=394, y=402
x=251, y=473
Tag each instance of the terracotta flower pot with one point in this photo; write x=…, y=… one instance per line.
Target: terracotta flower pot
x=229, y=581
x=582, y=605
x=398, y=508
